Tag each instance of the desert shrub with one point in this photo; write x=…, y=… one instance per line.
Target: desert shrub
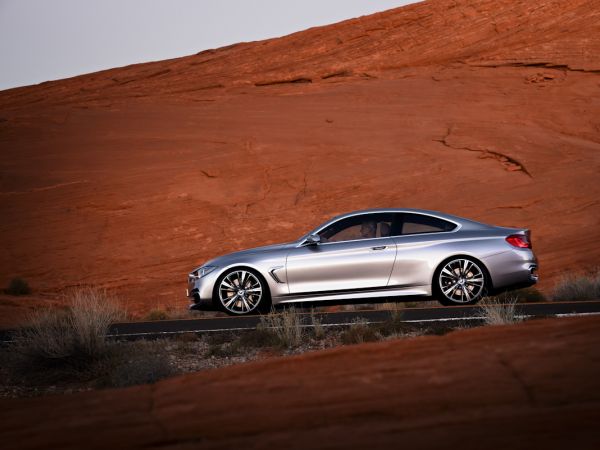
x=47, y=343
x=67, y=342
x=18, y=286
x=582, y=286
x=359, y=332
x=286, y=326
x=394, y=324
x=157, y=314
x=92, y=311
x=133, y=363
x=259, y=338
x=496, y=311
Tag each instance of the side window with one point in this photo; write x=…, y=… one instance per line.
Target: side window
x=364, y=226
x=419, y=223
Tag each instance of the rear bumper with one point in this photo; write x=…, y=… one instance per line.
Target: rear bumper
x=513, y=267
x=533, y=273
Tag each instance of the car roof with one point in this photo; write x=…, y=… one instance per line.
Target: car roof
x=465, y=224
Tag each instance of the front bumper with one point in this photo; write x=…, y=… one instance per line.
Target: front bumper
x=193, y=295
x=201, y=289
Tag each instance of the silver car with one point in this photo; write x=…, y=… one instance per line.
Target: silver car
x=368, y=255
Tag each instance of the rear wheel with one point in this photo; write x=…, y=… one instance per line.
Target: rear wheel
x=242, y=291
x=460, y=281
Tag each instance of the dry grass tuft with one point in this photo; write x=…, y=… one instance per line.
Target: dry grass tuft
x=317, y=322
x=157, y=314
x=581, y=286
x=394, y=326
x=359, y=332
x=497, y=311
x=286, y=326
x=92, y=311
x=71, y=345
x=67, y=342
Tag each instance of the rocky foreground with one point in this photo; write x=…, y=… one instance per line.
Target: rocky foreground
x=532, y=385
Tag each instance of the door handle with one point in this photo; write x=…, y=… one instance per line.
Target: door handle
x=381, y=247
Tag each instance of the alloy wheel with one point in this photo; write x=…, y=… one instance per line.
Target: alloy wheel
x=240, y=292
x=462, y=281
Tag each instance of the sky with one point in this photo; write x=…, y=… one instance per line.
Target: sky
x=44, y=40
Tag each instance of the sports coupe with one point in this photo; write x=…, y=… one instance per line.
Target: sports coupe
x=369, y=255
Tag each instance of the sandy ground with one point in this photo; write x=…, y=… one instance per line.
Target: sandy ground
x=533, y=385
x=129, y=178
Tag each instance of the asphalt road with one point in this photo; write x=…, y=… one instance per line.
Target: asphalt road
x=436, y=314
x=163, y=328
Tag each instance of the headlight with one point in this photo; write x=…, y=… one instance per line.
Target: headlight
x=202, y=271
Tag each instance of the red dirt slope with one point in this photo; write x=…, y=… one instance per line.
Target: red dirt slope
x=130, y=177
x=535, y=385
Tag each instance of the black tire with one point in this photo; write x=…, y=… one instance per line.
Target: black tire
x=465, y=292
x=246, y=303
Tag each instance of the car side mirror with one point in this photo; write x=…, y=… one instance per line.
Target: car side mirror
x=313, y=239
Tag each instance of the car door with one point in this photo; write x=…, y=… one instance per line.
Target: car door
x=420, y=240
x=345, y=260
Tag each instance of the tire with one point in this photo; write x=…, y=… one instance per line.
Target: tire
x=241, y=291
x=460, y=280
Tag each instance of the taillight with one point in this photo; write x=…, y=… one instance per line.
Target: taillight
x=519, y=240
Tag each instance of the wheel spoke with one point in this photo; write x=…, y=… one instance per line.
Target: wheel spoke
x=447, y=291
x=227, y=285
x=450, y=274
x=254, y=290
x=231, y=301
x=233, y=281
x=466, y=291
x=465, y=267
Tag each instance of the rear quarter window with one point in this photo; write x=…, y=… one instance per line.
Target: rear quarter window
x=418, y=223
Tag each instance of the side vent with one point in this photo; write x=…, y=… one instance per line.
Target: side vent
x=273, y=273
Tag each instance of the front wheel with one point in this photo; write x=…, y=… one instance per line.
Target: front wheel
x=460, y=281
x=241, y=291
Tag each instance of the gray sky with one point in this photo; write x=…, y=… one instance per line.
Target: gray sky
x=50, y=39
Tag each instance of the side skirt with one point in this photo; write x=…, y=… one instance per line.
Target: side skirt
x=412, y=291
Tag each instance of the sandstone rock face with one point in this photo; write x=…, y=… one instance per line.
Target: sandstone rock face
x=128, y=178
x=534, y=385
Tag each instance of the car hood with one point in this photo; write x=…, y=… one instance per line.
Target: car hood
x=226, y=259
